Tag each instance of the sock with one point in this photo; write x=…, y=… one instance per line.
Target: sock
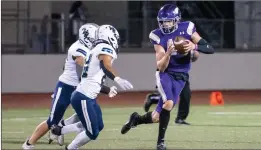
x=80, y=140
x=61, y=123
x=76, y=127
x=163, y=124
x=71, y=120
x=145, y=119
x=27, y=143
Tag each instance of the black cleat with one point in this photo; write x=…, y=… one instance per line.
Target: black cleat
x=130, y=124
x=50, y=141
x=56, y=130
x=152, y=98
x=161, y=146
x=66, y=147
x=147, y=103
x=181, y=122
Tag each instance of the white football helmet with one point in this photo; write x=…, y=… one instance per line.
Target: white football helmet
x=109, y=34
x=87, y=34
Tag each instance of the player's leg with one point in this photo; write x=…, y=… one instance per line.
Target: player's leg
x=86, y=110
x=71, y=120
x=72, y=124
x=152, y=98
x=184, y=105
x=59, y=111
x=60, y=103
x=148, y=118
x=169, y=99
x=77, y=127
x=152, y=117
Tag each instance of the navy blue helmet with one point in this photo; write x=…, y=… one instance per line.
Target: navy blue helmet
x=168, y=18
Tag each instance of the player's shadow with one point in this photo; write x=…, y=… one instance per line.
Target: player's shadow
x=184, y=141
x=18, y=141
x=224, y=125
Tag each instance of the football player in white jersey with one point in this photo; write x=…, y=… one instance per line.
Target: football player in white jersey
x=66, y=84
x=97, y=66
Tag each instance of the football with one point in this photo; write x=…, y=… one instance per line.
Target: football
x=179, y=42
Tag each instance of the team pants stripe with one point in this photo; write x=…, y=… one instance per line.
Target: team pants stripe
x=58, y=94
x=160, y=88
x=86, y=116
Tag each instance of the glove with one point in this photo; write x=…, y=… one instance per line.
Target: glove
x=124, y=84
x=52, y=96
x=113, y=91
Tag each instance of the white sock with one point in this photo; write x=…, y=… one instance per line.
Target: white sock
x=71, y=120
x=76, y=127
x=80, y=140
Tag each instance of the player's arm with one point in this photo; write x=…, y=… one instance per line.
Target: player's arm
x=162, y=58
x=111, y=91
x=79, y=60
x=201, y=44
x=106, y=65
x=79, y=57
x=105, y=89
x=198, y=43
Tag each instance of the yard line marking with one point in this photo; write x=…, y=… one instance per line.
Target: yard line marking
x=113, y=129
x=234, y=113
x=6, y=132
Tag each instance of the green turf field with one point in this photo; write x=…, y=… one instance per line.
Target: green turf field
x=229, y=127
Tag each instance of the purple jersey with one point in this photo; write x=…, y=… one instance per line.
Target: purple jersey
x=177, y=63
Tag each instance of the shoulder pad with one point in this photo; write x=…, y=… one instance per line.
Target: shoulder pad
x=190, y=27
x=155, y=36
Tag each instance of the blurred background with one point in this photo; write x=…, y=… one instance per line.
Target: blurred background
x=45, y=27
x=37, y=35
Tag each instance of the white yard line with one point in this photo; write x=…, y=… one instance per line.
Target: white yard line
x=6, y=132
x=23, y=119
x=234, y=113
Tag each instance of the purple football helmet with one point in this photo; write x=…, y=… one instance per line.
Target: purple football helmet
x=168, y=18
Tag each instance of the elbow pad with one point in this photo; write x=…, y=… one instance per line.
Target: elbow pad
x=204, y=47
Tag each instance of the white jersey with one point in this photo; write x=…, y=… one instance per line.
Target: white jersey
x=69, y=75
x=93, y=75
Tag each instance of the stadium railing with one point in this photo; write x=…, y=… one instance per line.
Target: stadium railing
x=24, y=36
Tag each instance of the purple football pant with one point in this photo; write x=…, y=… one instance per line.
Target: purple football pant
x=169, y=88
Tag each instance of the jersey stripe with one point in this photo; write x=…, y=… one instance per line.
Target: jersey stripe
x=154, y=37
x=81, y=51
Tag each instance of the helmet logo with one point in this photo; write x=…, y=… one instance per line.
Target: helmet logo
x=85, y=33
x=176, y=10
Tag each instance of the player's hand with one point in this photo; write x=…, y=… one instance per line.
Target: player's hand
x=52, y=96
x=113, y=91
x=124, y=84
x=190, y=46
x=170, y=47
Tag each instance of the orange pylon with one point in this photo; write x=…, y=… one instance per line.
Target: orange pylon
x=216, y=99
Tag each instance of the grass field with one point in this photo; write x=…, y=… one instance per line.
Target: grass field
x=229, y=127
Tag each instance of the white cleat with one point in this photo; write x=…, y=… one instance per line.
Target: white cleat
x=51, y=137
x=25, y=146
x=59, y=139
